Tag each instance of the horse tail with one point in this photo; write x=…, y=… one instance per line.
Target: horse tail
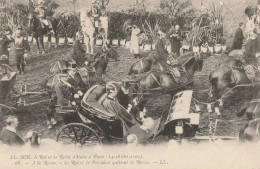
x=242, y=111
x=131, y=71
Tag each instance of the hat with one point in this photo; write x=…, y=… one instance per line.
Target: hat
x=9, y=119
x=112, y=85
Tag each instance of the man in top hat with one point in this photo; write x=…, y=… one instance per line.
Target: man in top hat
x=8, y=134
x=21, y=49
x=175, y=39
x=239, y=37
x=161, y=52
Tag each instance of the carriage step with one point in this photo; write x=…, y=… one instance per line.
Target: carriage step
x=66, y=111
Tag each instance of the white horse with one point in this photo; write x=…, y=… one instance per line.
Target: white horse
x=88, y=28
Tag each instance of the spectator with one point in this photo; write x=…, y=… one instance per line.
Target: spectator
x=175, y=39
x=135, y=48
x=8, y=134
x=239, y=37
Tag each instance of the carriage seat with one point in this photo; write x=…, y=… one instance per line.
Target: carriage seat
x=94, y=97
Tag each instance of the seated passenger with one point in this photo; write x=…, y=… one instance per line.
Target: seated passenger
x=8, y=134
x=112, y=106
x=142, y=132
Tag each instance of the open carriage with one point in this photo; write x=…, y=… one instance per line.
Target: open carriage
x=93, y=124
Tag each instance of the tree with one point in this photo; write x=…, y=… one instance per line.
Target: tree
x=176, y=10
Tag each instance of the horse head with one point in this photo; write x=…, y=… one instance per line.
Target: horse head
x=191, y=63
x=100, y=63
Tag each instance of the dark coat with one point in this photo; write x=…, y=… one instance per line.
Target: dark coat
x=238, y=39
x=251, y=49
x=10, y=138
x=161, y=53
x=175, y=42
x=78, y=53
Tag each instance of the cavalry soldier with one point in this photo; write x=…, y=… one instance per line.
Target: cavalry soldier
x=96, y=13
x=41, y=11
x=8, y=134
x=21, y=49
x=166, y=60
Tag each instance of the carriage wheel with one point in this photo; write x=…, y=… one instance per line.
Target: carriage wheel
x=78, y=133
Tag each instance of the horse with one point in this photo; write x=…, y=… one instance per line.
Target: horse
x=38, y=31
x=229, y=74
x=145, y=64
x=100, y=61
x=89, y=30
x=251, y=109
x=166, y=82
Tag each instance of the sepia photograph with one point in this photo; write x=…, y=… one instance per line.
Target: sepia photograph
x=129, y=84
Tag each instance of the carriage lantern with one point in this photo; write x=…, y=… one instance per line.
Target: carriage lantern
x=179, y=127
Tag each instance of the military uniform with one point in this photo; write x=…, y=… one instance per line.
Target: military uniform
x=21, y=46
x=41, y=10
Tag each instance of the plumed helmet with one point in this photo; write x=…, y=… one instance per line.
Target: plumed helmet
x=112, y=85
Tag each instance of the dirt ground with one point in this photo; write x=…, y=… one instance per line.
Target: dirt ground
x=34, y=117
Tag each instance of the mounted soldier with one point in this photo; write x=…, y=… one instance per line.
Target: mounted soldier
x=96, y=13
x=41, y=11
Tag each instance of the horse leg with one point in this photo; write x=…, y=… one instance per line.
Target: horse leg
x=87, y=44
x=38, y=45
x=41, y=41
x=56, y=40
x=91, y=41
x=50, y=112
x=49, y=41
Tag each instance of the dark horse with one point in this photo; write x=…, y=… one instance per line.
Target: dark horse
x=99, y=63
x=38, y=31
x=229, y=75
x=250, y=131
x=165, y=81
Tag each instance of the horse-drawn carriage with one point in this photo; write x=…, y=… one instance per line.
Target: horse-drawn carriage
x=92, y=124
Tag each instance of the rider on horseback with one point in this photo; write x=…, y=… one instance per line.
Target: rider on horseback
x=96, y=13
x=165, y=59
x=41, y=9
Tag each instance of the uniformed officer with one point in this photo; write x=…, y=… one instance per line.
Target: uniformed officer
x=21, y=49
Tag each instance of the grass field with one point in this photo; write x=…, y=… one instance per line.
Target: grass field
x=34, y=117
